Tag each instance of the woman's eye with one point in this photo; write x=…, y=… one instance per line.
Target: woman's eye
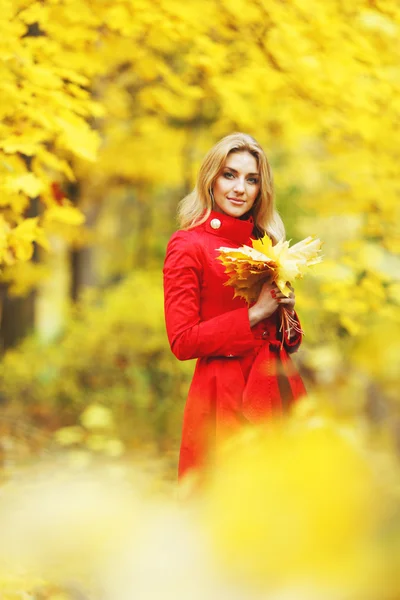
x=253, y=180
x=228, y=175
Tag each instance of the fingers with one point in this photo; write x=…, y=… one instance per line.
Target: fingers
x=273, y=286
x=279, y=294
x=276, y=293
x=286, y=301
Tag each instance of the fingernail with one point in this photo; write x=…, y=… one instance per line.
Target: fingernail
x=273, y=293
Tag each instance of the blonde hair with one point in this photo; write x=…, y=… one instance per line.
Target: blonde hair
x=196, y=207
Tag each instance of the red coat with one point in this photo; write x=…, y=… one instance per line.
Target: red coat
x=242, y=373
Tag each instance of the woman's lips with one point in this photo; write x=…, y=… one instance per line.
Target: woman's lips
x=237, y=201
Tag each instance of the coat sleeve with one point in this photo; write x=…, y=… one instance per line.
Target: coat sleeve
x=228, y=334
x=293, y=342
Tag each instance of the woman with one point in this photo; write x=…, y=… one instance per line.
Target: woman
x=243, y=372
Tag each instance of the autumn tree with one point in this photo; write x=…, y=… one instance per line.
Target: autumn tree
x=126, y=104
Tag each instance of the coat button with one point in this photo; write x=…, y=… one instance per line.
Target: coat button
x=215, y=223
x=265, y=335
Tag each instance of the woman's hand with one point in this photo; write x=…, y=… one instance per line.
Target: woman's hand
x=268, y=301
x=289, y=301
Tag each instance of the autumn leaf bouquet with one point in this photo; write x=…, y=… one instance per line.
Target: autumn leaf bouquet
x=249, y=268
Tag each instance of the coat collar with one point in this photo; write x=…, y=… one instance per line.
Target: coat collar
x=229, y=228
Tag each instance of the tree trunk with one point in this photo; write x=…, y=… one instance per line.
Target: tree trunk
x=17, y=315
x=17, y=318
x=82, y=259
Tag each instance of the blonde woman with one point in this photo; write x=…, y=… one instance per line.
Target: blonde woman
x=243, y=371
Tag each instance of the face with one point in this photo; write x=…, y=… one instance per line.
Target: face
x=236, y=187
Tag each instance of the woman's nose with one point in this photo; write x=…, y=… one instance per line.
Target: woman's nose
x=239, y=185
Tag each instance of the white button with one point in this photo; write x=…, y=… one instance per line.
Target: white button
x=215, y=223
x=229, y=356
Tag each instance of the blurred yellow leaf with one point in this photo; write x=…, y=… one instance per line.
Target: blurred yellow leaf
x=27, y=183
x=350, y=323
x=65, y=214
x=96, y=416
x=114, y=448
x=293, y=502
x=78, y=137
x=394, y=292
x=68, y=436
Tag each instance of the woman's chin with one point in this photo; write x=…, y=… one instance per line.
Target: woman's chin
x=234, y=209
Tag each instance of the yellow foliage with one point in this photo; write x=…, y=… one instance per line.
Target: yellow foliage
x=27, y=183
x=104, y=375
x=68, y=436
x=76, y=136
x=248, y=268
x=64, y=214
x=299, y=509
x=124, y=98
x=23, y=277
x=298, y=503
x=96, y=416
x=376, y=352
x=20, y=240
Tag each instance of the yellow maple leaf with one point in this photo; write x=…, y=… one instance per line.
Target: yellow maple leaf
x=77, y=137
x=20, y=240
x=26, y=182
x=248, y=268
x=65, y=214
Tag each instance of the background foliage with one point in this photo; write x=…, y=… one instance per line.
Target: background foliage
x=107, y=109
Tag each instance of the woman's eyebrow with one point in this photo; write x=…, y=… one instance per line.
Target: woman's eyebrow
x=234, y=170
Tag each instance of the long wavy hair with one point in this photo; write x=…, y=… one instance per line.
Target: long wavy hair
x=196, y=207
